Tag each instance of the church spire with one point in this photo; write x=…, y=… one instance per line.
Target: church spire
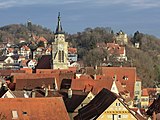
x=59, y=27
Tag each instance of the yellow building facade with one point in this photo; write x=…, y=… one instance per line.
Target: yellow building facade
x=121, y=38
x=117, y=111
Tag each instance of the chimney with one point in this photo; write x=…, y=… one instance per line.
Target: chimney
x=55, y=82
x=95, y=76
x=95, y=67
x=46, y=92
x=33, y=93
x=69, y=93
x=95, y=72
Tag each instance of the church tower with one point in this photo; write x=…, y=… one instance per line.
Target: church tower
x=60, y=48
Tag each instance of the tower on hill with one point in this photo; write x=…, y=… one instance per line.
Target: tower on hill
x=59, y=48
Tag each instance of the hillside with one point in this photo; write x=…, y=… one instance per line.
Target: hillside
x=146, y=59
x=11, y=33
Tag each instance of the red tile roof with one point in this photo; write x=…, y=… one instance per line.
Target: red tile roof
x=115, y=48
x=31, y=76
x=27, y=70
x=59, y=75
x=41, y=39
x=9, y=72
x=119, y=86
x=87, y=83
x=72, y=50
x=34, y=83
x=145, y=92
x=126, y=75
x=34, y=108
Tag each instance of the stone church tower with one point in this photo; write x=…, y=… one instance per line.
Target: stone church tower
x=60, y=48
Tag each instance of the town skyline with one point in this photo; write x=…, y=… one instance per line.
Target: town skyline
x=77, y=15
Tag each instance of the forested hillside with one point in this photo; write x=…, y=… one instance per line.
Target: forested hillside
x=145, y=59
x=12, y=33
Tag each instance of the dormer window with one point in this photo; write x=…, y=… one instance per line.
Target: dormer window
x=125, y=77
x=14, y=114
x=24, y=113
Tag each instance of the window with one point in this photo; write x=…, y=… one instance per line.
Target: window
x=144, y=99
x=137, y=84
x=61, y=56
x=14, y=114
x=114, y=116
x=119, y=116
x=24, y=113
x=118, y=104
x=137, y=92
x=113, y=88
x=125, y=77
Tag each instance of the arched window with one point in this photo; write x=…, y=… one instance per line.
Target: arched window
x=61, y=56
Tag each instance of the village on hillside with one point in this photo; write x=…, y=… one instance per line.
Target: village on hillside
x=50, y=83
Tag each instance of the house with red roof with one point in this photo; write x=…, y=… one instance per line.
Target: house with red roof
x=144, y=99
x=24, y=51
x=96, y=83
x=51, y=108
x=114, y=50
x=38, y=39
x=75, y=100
x=106, y=106
x=72, y=54
x=127, y=77
x=119, y=51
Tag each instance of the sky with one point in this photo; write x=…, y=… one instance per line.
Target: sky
x=76, y=15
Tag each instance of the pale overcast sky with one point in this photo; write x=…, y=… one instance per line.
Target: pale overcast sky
x=130, y=16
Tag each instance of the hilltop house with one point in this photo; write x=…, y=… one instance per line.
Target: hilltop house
x=24, y=51
x=121, y=38
x=115, y=50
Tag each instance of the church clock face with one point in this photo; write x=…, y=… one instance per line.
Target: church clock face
x=60, y=46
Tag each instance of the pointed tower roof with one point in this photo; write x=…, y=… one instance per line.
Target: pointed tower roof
x=59, y=27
